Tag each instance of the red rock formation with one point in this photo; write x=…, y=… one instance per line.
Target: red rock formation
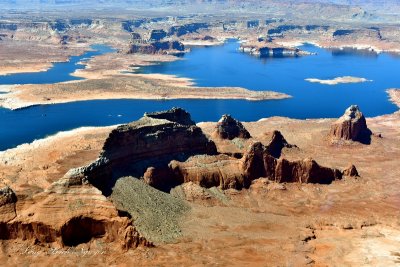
x=305, y=171
x=167, y=149
x=351, y=126
x=257, y=162
x=38, y=231
x=152, y=141
x=160, y=178
x=158, y=47
x=209, y=171
x=7, y=196
x=7, y=204
x=79, y=214
x=230, y=128
x=226, y=172
x=132, y=238
x=277, y=143
x=76, y=231
x=351, y=171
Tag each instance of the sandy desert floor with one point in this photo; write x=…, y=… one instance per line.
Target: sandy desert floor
x=353, y=222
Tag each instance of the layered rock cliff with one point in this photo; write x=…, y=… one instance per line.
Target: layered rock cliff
x=187, y=28
x=227, y=172
x=269, y=49
x=167, y=149
x=352, y=126
x=152, y=141
x=258, y=162
x=79, y=214
x=208, y=171
x=157, y=47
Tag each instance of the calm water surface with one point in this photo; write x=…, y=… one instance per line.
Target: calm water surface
x=60, y=72
x=217, y=66
x=225, y=66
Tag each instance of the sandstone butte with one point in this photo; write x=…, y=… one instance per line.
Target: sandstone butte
x=230, y=128
x=161, y=150
x=352, y=126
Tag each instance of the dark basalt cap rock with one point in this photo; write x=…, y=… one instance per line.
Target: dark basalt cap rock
x=351, y=126
x=177, y=115
x=230, y=128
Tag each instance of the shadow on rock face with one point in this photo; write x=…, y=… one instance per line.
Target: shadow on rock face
x=365, y=137
x=153, y=141
x=79, y=230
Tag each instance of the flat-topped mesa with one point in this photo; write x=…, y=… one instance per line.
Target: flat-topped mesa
x=178, y=115
x=270, y=49
x=152, y=141
x=230, y=128
x=352, y=126
x=157, y=47
x=168, y=149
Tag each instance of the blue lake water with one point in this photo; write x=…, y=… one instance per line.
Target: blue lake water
x=217, y=66
x=226, y=66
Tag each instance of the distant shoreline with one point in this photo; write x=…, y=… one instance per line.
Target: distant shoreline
x=394, y=96
x=135, y=87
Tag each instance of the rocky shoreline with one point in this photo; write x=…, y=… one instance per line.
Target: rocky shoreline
x=394, y=95
x=268, y=49
x=123, y=87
